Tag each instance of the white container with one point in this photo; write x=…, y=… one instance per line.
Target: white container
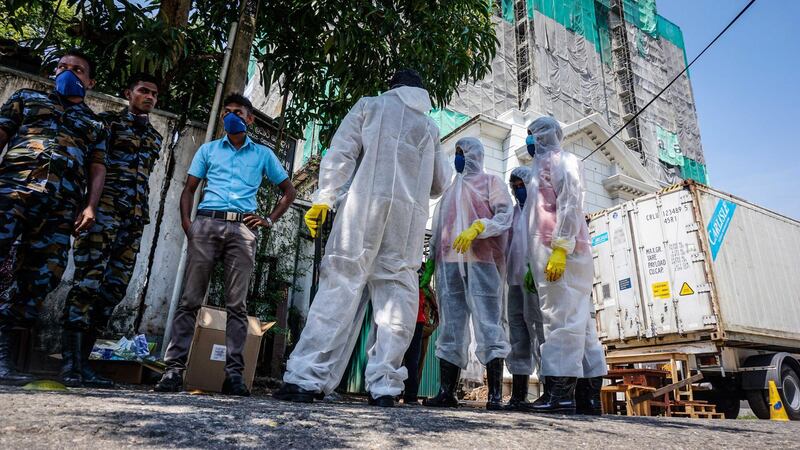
x=691, y=263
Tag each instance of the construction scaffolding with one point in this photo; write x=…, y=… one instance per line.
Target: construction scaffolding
x=574, y=58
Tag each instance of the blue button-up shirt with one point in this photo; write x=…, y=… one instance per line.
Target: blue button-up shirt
x=233, y=176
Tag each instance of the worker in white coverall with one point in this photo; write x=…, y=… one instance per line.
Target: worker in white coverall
x=468, y=244
x=387, y=150
x=562, y=267
x=525, y=328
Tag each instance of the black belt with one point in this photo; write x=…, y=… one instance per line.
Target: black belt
x=231, y=216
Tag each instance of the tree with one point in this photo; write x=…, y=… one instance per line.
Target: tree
x=328, y=54
x=180, y=41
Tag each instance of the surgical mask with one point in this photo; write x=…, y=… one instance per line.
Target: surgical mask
x=530, y=142
x=522, y=194
x=460, y=161
x=234, y=124
x=69, y=85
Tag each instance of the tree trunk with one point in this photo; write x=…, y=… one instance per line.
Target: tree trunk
x=175, y=12
x=240, y=53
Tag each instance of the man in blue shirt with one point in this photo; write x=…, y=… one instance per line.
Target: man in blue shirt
x=224, y=230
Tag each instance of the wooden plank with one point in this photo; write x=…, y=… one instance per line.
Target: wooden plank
x=669, y=388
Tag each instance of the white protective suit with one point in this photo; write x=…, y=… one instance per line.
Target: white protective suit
x=556, y=219
x=471, y=285
x=525, y=328
x=389, y=148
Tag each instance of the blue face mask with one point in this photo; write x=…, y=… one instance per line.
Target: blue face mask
x=234, y=124
x=69, y=85
x=460, y=161
x=530, y=142
x=522, y=194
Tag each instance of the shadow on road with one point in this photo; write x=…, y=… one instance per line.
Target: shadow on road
x=210, y=421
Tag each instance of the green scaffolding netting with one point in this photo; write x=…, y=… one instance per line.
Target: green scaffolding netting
x=589, y=18
x=507, y=10
x=673, y=34
x=642, y=14
x=447, y=120
x=577, y=16
x=669, y=149
x=694, y=170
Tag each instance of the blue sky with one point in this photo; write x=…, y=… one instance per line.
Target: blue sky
x=747, y=90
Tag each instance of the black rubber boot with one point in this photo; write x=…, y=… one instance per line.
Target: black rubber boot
x=234, y=385
x=7, y=373
x=587, y=396
x=411, y=400
x=293, y=393
x=494, y=381
x=384, y=401
x=558, y=397
x=446, y=398
x=519, y=394
x=171, y=381
x=89, y=376
x=71, y=368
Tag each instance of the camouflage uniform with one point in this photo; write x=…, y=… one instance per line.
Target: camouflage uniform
x=105, y=255
x=43, y=177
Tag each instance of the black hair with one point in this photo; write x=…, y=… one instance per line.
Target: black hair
x=239, y=99
x=141, y=77
x=406, y=77
x=75, y=51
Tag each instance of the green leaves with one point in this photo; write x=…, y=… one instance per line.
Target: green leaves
x=327, y=53
x=338, y=51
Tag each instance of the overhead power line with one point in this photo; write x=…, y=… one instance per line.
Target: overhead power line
x=673, y=80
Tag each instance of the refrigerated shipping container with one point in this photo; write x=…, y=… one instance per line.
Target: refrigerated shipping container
x=694, y=270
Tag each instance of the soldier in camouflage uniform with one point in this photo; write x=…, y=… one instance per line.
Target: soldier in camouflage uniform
x=55, y=144
x=105, y=255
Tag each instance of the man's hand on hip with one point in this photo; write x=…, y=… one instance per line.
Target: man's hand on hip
x=253, y=221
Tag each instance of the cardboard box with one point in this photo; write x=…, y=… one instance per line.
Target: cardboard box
x=205, y=367
x=121, y=371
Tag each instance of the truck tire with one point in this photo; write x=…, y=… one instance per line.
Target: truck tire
x=758, y=403
x=726, y=400
x=790, y=394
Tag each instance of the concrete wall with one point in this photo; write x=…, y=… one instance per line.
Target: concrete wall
x=154, y=275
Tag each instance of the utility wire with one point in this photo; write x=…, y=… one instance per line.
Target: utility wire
x=673, y=80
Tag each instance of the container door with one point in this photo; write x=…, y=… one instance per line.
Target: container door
x=673, y=273
x=616, y=293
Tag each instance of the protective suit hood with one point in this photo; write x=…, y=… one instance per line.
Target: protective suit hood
x=524, y=173
x=473, y=154
x=415, y=98
x=548, y=134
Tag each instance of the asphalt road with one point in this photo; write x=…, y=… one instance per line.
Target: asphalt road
x=124, y=418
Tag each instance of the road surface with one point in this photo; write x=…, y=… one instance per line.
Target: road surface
x=99, y=419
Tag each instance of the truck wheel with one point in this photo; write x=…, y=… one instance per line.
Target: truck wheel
x=790, y=381
x=726, y=400
x=729, y=406
x=758, y=403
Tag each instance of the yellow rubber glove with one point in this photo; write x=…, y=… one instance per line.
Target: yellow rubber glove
x=315, y=217
x=529, y=284
x=556, y=265
x=464, y=240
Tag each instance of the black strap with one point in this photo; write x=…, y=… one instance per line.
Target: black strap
x=231, y=216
